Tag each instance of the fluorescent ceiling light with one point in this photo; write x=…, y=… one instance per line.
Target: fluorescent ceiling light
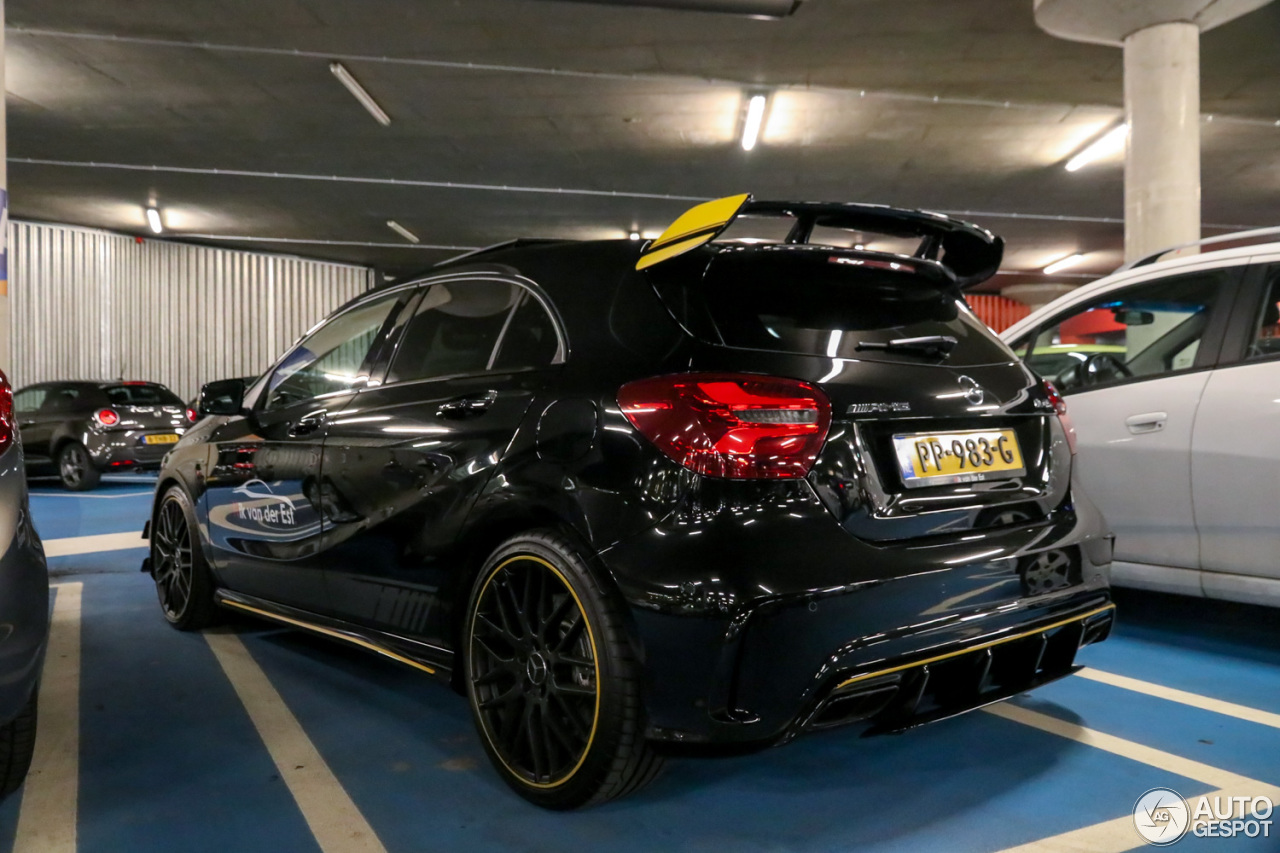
x=1109, y=143
x=153, y=219
x=751, y=127
x=402, y=231
x=366, y=100
x=634, y=235
x=1063, y=263
x=754, y=8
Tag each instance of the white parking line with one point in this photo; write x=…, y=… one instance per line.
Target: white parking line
x=72, y=545
x=1195, y=700
x=47, y=819
x=1119, y=834
x=335, y=821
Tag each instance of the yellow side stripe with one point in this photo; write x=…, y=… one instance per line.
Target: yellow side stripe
x=329, y=632
x=1079, y=618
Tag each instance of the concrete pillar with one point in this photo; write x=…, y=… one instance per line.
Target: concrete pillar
x=1161, y=41
x=1162, y=161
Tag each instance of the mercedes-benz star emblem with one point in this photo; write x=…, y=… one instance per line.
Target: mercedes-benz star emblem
x=973, y=391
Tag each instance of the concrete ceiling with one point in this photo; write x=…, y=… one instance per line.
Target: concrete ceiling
x=545, y=118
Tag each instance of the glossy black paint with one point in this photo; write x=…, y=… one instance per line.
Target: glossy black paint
x=748, y=600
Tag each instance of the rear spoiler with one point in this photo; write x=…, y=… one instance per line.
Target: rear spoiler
x=969, y=253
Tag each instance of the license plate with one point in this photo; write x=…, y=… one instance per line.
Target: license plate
x=167, y=438
x=930, y=459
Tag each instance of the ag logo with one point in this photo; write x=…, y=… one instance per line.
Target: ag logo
x=972, y=390
x=1161, y=816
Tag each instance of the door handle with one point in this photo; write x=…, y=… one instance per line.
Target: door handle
x=1149, y=422
x=26, y=423
x=468, y=406
x=308, y=424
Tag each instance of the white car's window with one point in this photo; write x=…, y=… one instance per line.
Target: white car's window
x=330, y=359
x=1266, y=334
x=1145, y=330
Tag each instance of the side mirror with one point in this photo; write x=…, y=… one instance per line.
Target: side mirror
x=1134, y=318
x=222, y=398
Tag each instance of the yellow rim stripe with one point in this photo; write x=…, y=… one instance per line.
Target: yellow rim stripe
x=329, y=632
x=595, y=660
x=977, y=648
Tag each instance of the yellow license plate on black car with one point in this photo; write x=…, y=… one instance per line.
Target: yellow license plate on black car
x=165, y=438
x=938, y=458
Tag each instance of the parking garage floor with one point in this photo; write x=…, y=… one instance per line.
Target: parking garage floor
x=254, y=738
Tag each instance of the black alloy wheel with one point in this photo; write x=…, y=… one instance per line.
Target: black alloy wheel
x=76, y=468
x=183, y=583
x=552, y=682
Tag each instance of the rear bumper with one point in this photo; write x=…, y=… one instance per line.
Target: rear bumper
x=123, y=449
x=758, y=618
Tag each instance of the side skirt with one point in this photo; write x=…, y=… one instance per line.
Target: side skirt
x=427, y=658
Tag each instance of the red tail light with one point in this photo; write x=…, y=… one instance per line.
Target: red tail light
x=737, y=426
x=192, y=417
x=6, y=413
x=106, y=417
x=1060, y=408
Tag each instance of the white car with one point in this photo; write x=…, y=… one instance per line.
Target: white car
x=1171, y=372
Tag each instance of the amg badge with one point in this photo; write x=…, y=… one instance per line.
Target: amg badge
x=876, y=408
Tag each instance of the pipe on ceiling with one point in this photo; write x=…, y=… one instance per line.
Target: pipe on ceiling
x=754, y=8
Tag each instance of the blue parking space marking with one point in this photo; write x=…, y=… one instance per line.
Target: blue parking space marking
x=62, y=514
x=169, y=759
x=397, y=740
x=1215, y=649
x=1221, y=741
x=128, y=560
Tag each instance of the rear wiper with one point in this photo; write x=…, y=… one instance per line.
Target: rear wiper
x=933, y=346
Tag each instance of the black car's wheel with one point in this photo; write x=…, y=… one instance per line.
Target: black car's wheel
x=76, y=468
x=552, y=681
x=183, y=582
x=17, y=743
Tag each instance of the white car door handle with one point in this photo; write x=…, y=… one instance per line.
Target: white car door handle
x=1150, y=422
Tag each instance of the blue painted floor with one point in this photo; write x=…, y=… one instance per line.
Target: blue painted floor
x=170, y=760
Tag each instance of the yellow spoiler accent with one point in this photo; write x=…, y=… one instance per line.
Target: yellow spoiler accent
x=696, y=226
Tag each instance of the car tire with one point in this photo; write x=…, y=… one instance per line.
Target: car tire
x=17, y=744
x=76, y=468
x=183, y=581
x=553, y=684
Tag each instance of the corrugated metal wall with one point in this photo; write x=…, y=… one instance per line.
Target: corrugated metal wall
x=88, y=304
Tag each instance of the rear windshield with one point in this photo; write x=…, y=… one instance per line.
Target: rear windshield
x=812, y=304
x=141, y=395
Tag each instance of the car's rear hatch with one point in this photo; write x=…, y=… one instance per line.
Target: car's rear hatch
x=153, y=412
x=936, y=426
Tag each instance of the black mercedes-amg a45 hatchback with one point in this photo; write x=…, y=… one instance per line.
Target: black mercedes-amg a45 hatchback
x=764, y=475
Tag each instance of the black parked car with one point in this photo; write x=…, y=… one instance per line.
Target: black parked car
x=78, y=430
x=627, y=497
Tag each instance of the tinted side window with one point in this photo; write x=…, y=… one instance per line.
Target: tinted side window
x=329, y=360
x=1266, y=334
x=530, y=339
x=29, y=400
x=1147, y=329
x=454, y=330
x=61, y=400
